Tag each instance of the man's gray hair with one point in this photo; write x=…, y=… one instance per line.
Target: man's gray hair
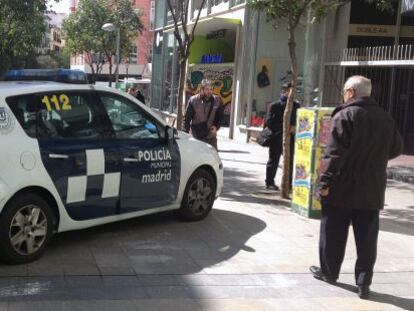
x=206, y=82
x=360, y=84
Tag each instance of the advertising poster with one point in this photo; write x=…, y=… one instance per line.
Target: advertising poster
x=303, y=155
x=323, y=127
x=264, y=70
x=316, y=204
x=312, y=134
x=305, y=124
x=301, y=196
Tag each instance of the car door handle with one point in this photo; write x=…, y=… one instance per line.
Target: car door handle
x=58, y=156
x=130, y=160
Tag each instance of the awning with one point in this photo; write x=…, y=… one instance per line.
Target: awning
x=209, y=24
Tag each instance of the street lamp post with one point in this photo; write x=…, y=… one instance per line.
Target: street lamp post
x=126, y=68
x=111, y=27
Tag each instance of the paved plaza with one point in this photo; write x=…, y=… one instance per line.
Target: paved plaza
x=251, y=253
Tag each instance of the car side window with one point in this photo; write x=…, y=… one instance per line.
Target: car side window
x=59, y=115
x=128, y=120
x=25, y=112
x=69, y=116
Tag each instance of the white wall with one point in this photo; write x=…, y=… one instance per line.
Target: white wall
x=272, y=44
x=337, y=29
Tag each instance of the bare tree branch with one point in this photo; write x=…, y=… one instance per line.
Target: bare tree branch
x=176, y=27
x=196, y=20
x=300, y=12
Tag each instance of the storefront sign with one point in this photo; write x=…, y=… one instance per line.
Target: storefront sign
x=407, y=7
x=380, y=30
x=372, y=30
x=212, y=59
x=218, y=34
x=407, y=31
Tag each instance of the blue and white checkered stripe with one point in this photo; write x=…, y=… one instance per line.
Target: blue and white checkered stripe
x=95, y=165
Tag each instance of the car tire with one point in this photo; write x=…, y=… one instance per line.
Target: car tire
x=26, y=227
x=199, y=196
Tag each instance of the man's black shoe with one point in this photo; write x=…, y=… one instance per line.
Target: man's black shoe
x=272, y=187
x=317, y=274
x=363, y=291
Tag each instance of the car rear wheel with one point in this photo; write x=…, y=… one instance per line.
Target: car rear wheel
x=26, y=226
x=198, y=196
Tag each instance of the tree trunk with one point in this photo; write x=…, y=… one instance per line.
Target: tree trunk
x=93, y=75
x=89, y=62
x=287, y=148
x=180, y=102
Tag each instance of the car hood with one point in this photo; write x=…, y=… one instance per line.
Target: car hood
x=184, y=135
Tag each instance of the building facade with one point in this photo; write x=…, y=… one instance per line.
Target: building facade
x=233, y=46
x=380, y=45
x=237, y=47
x=52, y=40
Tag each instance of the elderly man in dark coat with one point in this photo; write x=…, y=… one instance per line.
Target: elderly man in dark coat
x=352, y=186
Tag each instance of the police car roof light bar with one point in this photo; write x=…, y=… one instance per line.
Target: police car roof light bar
x=73, y=76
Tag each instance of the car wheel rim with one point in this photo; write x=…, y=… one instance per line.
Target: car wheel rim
x=199, y=196
x=28, y=230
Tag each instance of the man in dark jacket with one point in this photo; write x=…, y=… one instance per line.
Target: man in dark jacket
x=274, y=121
x=352, y=186
x=203, y=114
x=140, y=96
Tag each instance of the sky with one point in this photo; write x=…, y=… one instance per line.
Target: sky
x=61, y=7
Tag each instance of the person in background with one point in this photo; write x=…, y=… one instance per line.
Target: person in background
x=363, y=137
x=140, y=96
x=274, y=121
x=204, y=114
x=131, y=91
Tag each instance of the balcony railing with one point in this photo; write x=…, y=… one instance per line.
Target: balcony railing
x=392, y=54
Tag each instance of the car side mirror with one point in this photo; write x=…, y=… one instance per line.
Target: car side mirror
x=170, y=132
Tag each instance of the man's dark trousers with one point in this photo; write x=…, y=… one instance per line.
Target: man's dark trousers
x=333, y=236
x=275, y=151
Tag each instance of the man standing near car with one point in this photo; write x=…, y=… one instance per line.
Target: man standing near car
x=352, y=186
x=203, y=114
x=274, y=121
x=139, y=96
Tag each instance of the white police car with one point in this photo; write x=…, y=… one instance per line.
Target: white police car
x=74, y=156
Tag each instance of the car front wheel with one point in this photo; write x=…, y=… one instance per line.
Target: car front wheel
x=198, y=196
x=25, y=229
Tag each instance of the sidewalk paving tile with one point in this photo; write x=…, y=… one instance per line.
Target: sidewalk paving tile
x=35, y=306
x=100, y=305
